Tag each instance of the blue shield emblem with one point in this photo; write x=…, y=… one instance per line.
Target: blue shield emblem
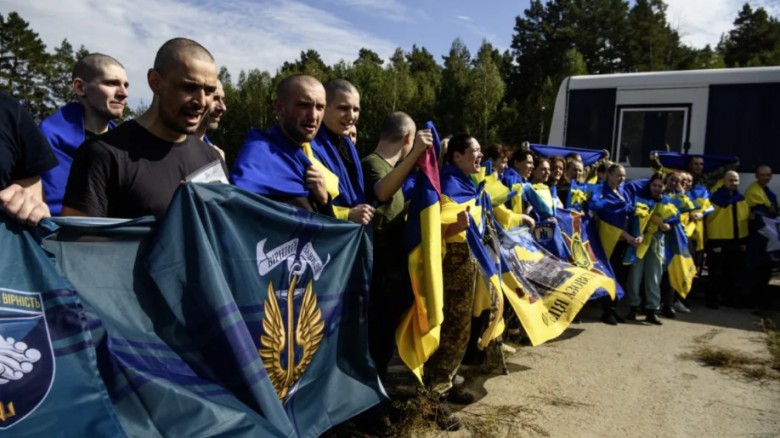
x=544, y=232
x=26, y=356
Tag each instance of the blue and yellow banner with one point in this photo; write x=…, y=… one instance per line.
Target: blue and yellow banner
x=545, y=293
x=417, y=336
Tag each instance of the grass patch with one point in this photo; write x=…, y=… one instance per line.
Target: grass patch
x=503, y=421
x=416, y=416
x=772, y=341
x=750, y=367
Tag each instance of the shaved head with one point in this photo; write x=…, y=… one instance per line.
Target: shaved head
x=396, y=126
x=292, y=83
x=92, y=66
x=177, y=51
x=336, y=86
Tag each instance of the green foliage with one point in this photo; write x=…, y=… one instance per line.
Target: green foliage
x=498, y=97
x=754, y=41
x=24, y=65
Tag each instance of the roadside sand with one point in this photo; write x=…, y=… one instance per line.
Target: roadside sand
x=629, y=380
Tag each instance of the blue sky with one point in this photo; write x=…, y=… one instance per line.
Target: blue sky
x=263, y=34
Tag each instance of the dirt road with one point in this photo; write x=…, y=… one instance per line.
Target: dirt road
x=631, y=380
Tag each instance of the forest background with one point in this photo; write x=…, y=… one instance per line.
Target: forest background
x=504, y=97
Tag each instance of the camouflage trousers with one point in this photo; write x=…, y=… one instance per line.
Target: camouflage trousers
x=460, y=274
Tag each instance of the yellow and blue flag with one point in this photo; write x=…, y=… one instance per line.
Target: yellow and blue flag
x=417, y=336
x=589, y=156
x=545, y=293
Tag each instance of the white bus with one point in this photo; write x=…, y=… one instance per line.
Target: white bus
x=721, y=111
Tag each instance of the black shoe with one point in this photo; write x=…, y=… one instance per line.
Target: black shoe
x=652, y=318
x=608, y=318
x=632, y=312
x=460, y=397
x=668, y=312
x=617, y=317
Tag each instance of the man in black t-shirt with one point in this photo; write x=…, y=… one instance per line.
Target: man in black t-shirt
x=135, y=169
x=24, y=156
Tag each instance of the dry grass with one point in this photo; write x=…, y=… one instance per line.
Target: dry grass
x=772, y=341
x=503, y=421
x=725, y=359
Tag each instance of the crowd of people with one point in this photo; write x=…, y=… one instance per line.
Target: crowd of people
x=80, y=163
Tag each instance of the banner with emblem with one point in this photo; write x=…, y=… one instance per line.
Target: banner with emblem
x=49, y=380
x=235, y=315
x=545, y=292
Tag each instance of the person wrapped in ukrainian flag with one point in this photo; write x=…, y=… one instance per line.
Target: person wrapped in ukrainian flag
x=463, y=203
x=613, y=207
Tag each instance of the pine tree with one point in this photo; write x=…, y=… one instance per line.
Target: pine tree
x=754, y=41
x=23, y=65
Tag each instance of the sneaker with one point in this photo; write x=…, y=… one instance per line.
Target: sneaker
x=632, y=312
x=668, y=312
x=680, y=307
x=506, y=348
x=460, y=397
x=458, y=380
x=608, y=318
x=617, y=317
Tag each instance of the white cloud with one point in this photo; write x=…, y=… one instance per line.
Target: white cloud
x=463, y=17
x=702, y=22
x=392, y=10
x=241, y=34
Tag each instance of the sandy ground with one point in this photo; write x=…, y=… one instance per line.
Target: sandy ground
x=633, y=380
x=628, y=380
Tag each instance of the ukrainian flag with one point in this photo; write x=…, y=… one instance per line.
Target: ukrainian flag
x=417, y=336
x=463, y=191
x=680, y=265
x=701, y=199
x=613, y=208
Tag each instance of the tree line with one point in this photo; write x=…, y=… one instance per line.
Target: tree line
x=497, y=97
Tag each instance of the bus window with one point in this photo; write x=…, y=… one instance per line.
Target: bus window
x=744, y=120
x=591, y=118
x=643, y=129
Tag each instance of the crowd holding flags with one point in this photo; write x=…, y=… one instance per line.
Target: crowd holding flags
x=248, y=330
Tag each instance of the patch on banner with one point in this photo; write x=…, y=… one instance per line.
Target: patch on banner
x=26, y=356
x=544, y=232
x=290, y=338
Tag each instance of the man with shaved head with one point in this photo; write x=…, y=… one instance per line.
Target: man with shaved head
x=279, y=163
x=134, y=169
x=99, y=85
x=386, y=169
x=334, y=148
x=727, y=232
x=211, y=121
x=762, y=202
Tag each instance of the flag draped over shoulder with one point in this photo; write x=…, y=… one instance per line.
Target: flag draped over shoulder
x=271, y=164
x=49, y=380
x=466, y=191
x=417, y=336
x=546, y=293
x=680, y=265
x=678, y=161
x=350, y=189
x=237, y=316
x=589, y=156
